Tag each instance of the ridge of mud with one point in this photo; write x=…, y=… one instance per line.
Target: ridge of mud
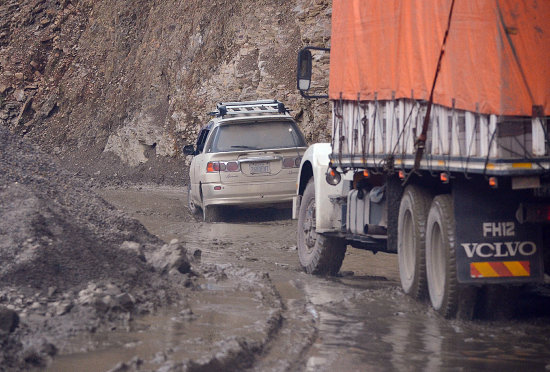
x=238, y=353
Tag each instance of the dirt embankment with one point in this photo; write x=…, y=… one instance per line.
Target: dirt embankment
x=115, y=88
x=70, y=262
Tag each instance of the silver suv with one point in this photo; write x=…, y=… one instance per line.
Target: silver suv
x=247, y=155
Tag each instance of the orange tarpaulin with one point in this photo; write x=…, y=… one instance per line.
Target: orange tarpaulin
x=496, y=61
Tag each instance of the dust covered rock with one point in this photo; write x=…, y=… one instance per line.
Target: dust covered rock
x=70, y=261
x=171, y=256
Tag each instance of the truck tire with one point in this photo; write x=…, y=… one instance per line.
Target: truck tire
x=441, y=257
x=211, y=213
x=193, y=208
x=318, y=254
x=411, y=241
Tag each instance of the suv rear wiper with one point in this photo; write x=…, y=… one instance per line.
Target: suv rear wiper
x=244, y=147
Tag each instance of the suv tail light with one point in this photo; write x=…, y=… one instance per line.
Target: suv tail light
x=292, y=162
x=232, y=166
x=222, y=166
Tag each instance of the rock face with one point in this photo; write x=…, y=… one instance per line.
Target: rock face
x=103, y=83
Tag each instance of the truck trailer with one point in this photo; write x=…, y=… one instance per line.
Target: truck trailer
x=440, y=150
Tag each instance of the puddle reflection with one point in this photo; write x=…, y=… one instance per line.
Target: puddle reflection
x=381, y=330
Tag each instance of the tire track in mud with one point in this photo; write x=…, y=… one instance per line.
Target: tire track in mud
x=238, y=353
x=298, y=331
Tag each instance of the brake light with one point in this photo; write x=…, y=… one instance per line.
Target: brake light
x=292, y=162
x=221, y=166
x=212, y=167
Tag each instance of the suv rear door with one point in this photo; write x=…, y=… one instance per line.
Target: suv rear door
x=198, y=164
x=258, y=151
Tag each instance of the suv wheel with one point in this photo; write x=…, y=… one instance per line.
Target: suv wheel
x=193, y=208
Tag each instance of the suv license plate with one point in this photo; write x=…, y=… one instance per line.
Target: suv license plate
x=256, y=168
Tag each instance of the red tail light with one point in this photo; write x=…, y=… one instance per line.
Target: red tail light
x=221, y=166
x=212, y=167
x=215, y=166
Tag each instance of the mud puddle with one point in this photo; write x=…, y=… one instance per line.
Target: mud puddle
x=374, y=327
x=219, y=312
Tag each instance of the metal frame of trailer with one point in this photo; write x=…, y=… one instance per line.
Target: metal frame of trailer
x=381, y=134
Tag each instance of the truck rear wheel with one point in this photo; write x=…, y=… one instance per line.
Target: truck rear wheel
x=441, y=257
x=447, y=296
x=318, y=254
x=411, y=241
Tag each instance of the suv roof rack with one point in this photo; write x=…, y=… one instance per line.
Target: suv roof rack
x=260, y=107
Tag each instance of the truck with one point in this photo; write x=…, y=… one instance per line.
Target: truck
x=440, y=149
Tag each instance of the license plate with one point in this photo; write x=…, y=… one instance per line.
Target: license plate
x=256, y=168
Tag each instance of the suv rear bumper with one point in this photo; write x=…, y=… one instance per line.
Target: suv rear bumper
x=249, y=194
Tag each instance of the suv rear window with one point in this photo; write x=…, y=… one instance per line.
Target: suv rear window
x=256, y=136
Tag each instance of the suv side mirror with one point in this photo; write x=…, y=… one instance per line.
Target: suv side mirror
x=304, y=70
x=189, y=150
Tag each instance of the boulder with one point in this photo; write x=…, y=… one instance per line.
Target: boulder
x=170, y=256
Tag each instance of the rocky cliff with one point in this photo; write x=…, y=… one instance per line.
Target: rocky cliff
x=115, y=88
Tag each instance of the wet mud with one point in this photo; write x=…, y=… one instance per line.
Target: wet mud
x=360, y=320
x=217, y=319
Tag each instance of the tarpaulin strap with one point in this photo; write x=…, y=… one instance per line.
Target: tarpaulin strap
x=472, y=142
x=374, y=129
x=364, y=122
x=454, y=134
x=340, y=116
x=421, y=140
x=355, y=129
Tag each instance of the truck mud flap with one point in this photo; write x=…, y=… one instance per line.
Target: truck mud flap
x=491, y=245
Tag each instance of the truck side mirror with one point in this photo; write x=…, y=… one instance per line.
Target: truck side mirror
x=304, y=70
x=189, y=150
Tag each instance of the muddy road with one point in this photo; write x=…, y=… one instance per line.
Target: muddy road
x=359, y=321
